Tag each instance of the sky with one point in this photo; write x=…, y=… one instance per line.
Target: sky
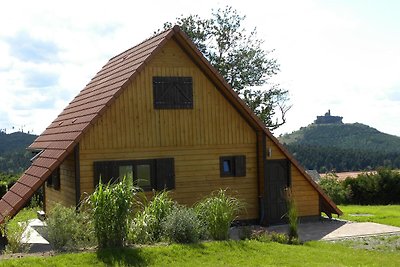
x=341, y=55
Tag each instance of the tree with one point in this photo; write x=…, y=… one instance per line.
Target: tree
x=240, y=59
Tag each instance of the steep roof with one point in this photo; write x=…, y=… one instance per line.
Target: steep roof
x=65, y=132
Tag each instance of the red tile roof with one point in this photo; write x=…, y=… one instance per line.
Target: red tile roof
x=65, y=132
x=60, y=138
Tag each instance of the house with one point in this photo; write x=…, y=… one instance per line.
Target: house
x=159, y=111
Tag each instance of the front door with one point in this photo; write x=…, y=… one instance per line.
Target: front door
x=276, y=180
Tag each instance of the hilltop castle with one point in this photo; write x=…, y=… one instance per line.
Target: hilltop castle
x=328, y=119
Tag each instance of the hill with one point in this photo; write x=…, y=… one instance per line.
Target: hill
x=14, y=158
x=343, y=147
x=345, y=136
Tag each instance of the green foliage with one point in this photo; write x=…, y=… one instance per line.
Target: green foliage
x=343, y=147
x=68, y=229
x=265, y=236
x=382, y=188
x=335, y=189
x=217, y=212
x=292, y=217
x=13, y=155
x=14, y=229
x=111, y=208
x=6, y=181
x=239, y=57
x=182, y=225
x=146, y=226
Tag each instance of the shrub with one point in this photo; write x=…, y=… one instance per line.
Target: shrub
x=146, y=225
x=111, y=208
x=334, y=188
x=68, y=229
x=217, y=212
x=182, y=225
x=382, y=187
x=265, y=236
x=14, y=231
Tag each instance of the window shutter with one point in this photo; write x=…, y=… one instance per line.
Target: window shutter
x=165, y=174
x=240, y=166
x=105, y=170
x=173, y=92
x=56, y=178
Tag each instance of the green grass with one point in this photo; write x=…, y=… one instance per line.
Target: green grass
x=223, y=253
x=389, y=214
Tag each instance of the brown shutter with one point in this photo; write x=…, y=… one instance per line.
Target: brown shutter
x=240, y=166
x=165, y=174
x=104, y=169
x=56, y=178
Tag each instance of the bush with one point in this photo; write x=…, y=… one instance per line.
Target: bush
x=335, y=189
x=380, y=188
x=182, y=225
x=146, y=226
x=265, y=236
x=68, y=229
x=14, y=230
x=111, y=209
x=217, y=212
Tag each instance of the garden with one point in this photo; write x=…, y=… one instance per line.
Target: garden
x=118, y=226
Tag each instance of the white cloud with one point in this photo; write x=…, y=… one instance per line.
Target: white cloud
x=339, y=55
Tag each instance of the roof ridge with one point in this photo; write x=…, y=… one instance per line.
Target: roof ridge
x=155, y=35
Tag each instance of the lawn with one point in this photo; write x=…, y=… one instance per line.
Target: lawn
x=228, y=253
x=389, y=214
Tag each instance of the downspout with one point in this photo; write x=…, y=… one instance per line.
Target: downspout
x=77, y=177
x=262, y=197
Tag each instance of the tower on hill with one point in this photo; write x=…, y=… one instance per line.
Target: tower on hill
x=328, y=119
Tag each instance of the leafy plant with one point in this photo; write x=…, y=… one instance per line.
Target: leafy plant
x=217, y=212
x=111, y=209
x=292, y=216
x=16, y=234
x=146, y=225
x=182, y=225
x=68, y=229
x=334, y=188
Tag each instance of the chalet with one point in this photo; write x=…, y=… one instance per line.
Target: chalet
x=160, y=113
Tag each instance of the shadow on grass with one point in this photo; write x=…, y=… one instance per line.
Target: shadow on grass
x=122, y=257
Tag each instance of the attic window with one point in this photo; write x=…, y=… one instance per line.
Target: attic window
x=173, y=92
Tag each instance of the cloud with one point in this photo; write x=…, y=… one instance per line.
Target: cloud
x=27, y=48
x=36, y=78
x=394, y=94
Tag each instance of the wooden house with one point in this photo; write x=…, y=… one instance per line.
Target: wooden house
x=162, y=114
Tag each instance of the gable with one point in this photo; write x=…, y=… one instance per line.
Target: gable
x=133, y=122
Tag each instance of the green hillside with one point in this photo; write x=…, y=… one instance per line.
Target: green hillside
x=343, y=147
x=14, y=158
x=346, y=136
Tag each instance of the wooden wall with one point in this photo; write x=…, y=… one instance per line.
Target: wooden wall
x=132, y=129
x=66, y=194
x=305, y=195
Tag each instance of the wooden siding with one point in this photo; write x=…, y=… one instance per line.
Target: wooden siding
x=132, y=129
x=305, y=195
x=66, y=194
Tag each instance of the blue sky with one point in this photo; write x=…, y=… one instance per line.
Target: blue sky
x=338, y=55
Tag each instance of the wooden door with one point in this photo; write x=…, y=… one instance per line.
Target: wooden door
x=276, y=180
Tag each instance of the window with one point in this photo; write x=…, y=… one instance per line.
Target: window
x=150, y=174
x=173, y=92
x=54, y=179
x=232, y=166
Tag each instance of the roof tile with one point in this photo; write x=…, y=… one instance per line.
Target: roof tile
x=21, y=190
x=5, y=209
